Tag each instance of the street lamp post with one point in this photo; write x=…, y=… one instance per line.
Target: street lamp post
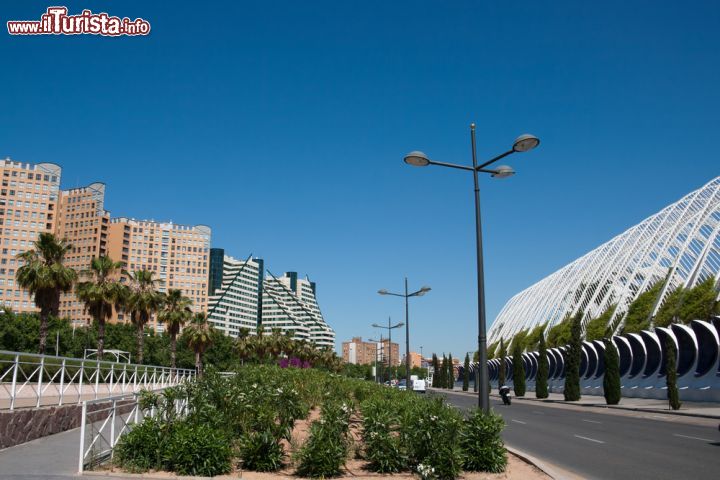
x=407, y=295
x=523, y=143
x=389, y=328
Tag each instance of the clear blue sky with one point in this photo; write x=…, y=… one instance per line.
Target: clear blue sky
x=282, y=125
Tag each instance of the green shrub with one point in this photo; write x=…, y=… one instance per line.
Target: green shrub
x=143, y=448
x=430, y=430
x=482, y=446
x=325, y=452
x=383, y=449
x=198, y=449
x=261, y=452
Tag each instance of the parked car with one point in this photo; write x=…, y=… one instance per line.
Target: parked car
x=402, y=385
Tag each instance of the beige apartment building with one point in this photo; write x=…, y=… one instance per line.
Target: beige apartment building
x=177, y=254
x=358, y=352
x=84, y=223
x=364, y=353
x=31, y=203
x=28, y=207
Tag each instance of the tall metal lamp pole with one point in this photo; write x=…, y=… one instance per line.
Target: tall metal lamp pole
x=418, y=159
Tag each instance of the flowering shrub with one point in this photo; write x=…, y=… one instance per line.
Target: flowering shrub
x=481, y=443
x=325, y=452
x=246, y=419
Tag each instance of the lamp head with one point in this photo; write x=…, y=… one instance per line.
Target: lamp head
x=383, y=292
x=417, y=159
x=525, y=142
x=503, y=171
x=423, y=291
x=377, y=326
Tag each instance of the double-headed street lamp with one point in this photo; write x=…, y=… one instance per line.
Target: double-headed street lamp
x=523, y=143
x=389, y=328
x=407, y=295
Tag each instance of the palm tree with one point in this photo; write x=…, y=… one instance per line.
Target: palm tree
x=175, y=312
x=199, y=334
x=101, y=293
x=43, y=274
x=142, y=300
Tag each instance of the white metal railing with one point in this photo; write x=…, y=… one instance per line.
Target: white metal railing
x=33, y=380
x=105, y=420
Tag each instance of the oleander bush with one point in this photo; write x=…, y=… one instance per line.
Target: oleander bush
x=143, y=448
x=198, y=450
x=383, y=448
x=481, y=443
x=246, y=420
x=261, y=452
x=325, y=452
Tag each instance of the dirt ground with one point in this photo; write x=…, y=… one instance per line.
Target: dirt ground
x=517, y=468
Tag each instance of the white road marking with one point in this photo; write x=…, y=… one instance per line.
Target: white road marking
x=692, y=438
x=590, y=439
x=518, y=421
x=591, y=421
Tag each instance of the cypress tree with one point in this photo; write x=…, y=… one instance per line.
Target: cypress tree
x=518, y=370
x=466, y=373
x=436, y=370
x=611, y=380
x=541, y=383
x=572, y=361
x=450, y=374
x=501, y=373
x=671, y=371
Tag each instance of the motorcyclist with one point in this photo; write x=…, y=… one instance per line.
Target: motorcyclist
x=505, y=394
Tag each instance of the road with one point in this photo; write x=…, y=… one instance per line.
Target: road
x=608, y=444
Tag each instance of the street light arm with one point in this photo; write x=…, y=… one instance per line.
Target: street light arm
x=393, y=294
x=480, y=168
x=451, y=165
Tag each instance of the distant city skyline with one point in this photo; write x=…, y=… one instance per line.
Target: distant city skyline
x=283, y=127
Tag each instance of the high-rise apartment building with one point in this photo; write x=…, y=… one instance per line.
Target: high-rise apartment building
x=289, y=304
x=235, y=299
x=84, y=223
x=177, y=254
x=358, y=352
x=28, y=207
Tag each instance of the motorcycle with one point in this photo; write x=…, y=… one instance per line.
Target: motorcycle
x=505, y=394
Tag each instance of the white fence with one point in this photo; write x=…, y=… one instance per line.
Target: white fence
x=105, y=420
x=32, y=380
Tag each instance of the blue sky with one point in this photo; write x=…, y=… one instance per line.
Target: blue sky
x=282, y=125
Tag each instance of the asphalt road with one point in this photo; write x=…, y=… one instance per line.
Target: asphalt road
x=625, y=445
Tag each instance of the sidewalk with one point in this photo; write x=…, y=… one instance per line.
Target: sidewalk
x=688, y=409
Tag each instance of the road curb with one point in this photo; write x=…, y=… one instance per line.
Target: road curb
x=551, y=471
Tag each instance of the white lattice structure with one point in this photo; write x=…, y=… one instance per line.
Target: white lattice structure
x=681, y=242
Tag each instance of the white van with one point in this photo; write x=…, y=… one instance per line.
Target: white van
x=419, y=386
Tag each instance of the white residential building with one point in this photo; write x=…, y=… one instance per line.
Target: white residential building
x=289, y=304
x=234, y=301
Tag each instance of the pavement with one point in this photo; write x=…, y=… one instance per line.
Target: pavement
x=586, y=440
